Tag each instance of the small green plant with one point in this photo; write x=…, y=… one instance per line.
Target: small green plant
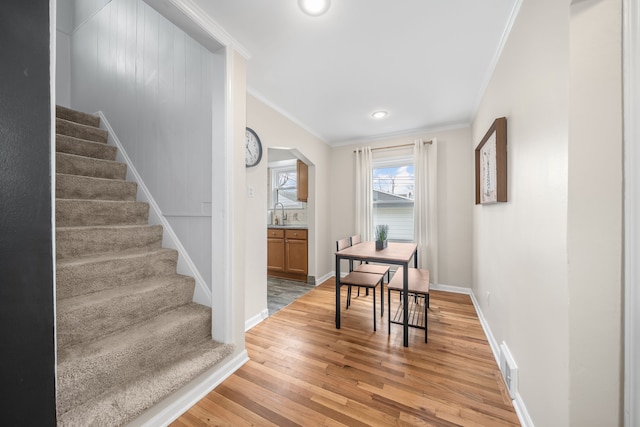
x=382, y=231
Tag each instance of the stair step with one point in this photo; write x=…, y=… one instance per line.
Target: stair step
x=78, y=130
x=79, y=276
x=77, y=116
x=82, y=147
x=117, y=406
x=87, y=187
x=94, y=240
x=70, y=164
x=91, y=316
x=80, y=213
x=90, y=369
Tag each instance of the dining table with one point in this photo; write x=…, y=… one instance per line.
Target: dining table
x=396, y=253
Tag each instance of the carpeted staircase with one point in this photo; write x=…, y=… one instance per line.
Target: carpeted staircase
x=128, y=333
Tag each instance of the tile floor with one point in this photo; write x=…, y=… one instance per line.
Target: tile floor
x=282, y=292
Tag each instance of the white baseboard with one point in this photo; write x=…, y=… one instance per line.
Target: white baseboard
x=324, y=278
x=250, y=323
x=450, y=288
x=518, y=403
x=182, y=400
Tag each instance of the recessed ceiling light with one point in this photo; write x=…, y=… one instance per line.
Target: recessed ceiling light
x=314, y=7
x=379, y=114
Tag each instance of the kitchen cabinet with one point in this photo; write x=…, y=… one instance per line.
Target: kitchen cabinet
x=275, y=250
x=287, y=253
x=302, y=173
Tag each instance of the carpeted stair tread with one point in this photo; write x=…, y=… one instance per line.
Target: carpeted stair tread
x=71, y=164
x=88, y=317
x=78, y=212
x=86, y=187
x=79, y=276
x=123, y=403
x=77, y=116
x=128, y=333
x=78, y=130
x=94, y=240
x=82, y=147
x=90, y=368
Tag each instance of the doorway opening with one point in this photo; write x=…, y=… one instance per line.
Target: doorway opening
x=291, y=226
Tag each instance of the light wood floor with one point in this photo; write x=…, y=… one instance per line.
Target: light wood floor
x=303, y=371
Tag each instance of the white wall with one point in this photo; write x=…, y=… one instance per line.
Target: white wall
x=594, y=235
x=275, y=130
x=238, y=216
x=154, y=84
x=547, y=262
x=64, y=28
x=631, y=67
x=455, y=198
x=520, y=278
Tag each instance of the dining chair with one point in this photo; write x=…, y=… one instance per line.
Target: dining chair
x=365, y=280
x=418, y=287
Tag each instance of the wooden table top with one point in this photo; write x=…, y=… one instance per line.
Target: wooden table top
x=395, y=252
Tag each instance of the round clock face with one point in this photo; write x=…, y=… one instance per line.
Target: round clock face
x=253, y=148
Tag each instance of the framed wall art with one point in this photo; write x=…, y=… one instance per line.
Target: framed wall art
x=491, y=164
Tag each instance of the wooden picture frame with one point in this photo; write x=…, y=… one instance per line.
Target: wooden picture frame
x=491, y=164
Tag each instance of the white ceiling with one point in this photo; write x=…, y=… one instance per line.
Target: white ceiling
x=426, y=62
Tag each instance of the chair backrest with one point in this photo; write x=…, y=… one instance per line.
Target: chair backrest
x=343, y=244
x=355, y=239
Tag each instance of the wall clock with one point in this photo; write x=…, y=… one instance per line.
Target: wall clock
x=253, y=148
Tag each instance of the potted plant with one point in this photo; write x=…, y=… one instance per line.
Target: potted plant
x=382, y=231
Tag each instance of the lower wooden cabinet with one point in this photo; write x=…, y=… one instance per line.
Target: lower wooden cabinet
x=275, y=250
x=287, y=253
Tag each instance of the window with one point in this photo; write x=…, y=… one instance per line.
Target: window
x=284, y=186
x=393, y=196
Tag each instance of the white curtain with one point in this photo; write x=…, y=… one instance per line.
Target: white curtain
x=364, y=194
x=425, y=213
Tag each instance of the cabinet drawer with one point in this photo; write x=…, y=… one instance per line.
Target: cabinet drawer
x=275, y=233
x=296, y=234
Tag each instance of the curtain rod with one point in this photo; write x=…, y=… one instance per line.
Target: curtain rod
x=395, y=146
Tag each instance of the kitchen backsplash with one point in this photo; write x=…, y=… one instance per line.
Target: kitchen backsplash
x=293, y=216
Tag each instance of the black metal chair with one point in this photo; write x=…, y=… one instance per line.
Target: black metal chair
x=364, y=280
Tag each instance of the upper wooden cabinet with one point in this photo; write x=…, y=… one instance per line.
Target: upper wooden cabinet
x=302, y=172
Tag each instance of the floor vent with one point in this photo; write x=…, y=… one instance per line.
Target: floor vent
x=509, y=370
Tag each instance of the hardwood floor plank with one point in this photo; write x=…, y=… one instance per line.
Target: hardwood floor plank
x=304, y=371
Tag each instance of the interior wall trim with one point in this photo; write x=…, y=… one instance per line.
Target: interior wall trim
x=196, y=22
x=496, y=57
x=164, y=413
x=255, y=320
x=518, y=402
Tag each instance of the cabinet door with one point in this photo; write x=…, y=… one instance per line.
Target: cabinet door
x=275, y=254
x=302, y=172
x=296, y=256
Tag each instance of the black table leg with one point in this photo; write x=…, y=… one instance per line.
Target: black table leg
x=337, y=292
x=405, y=303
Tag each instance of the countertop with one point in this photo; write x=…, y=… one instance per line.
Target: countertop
x=298, y=226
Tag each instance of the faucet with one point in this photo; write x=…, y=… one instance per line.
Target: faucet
x=275, y=206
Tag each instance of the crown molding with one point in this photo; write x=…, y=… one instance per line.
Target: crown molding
x=401, y=134
x=251, y=91
x=496, y=57
x=198, y=23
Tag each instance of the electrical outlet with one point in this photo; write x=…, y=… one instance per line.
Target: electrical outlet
x=250, y=191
